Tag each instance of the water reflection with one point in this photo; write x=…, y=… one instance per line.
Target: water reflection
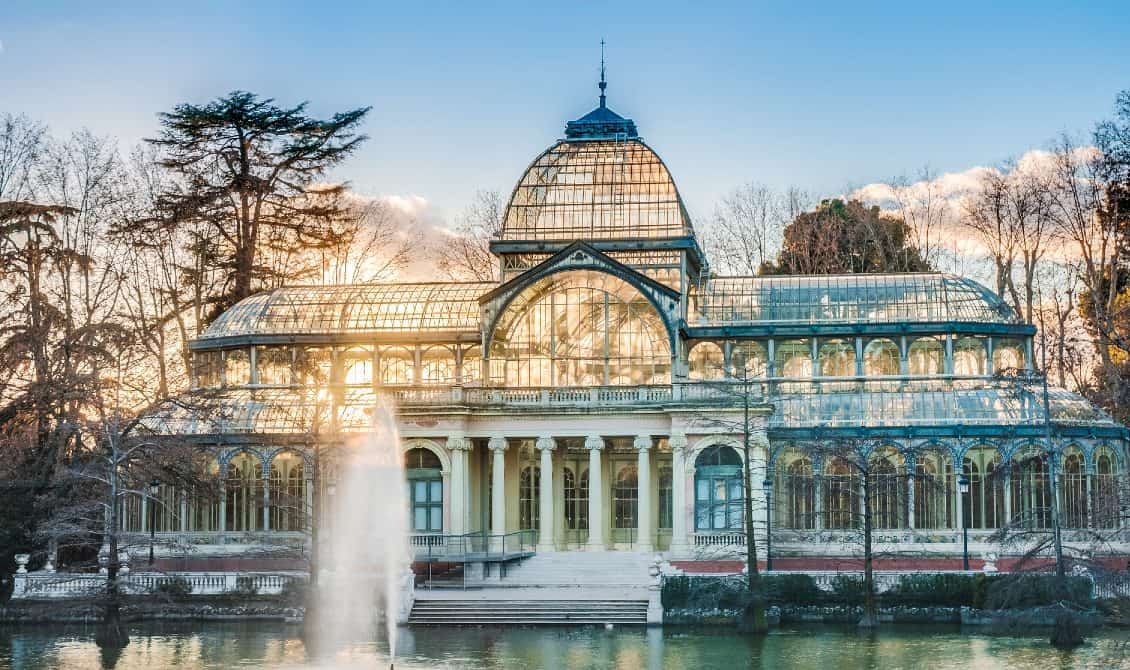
x=222, y=646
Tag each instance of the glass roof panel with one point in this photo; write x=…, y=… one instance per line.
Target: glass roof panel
x=593, y=190
x=372, y=308
x=861, y=298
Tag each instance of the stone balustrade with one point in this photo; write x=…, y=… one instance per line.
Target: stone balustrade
x=59, y=585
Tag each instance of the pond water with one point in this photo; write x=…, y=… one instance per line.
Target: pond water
x=223, y=646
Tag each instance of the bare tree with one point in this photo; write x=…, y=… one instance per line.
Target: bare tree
x=925, y=208
x=748, y=224
x=466, y=256
x=373, y=247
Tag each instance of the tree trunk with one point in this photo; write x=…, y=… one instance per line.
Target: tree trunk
x=870, y=613
x=753, y=617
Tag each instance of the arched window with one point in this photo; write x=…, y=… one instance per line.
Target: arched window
x=887, y=485
x=984, y=504
x=969, y=357
x=881, y=358
x=705, y=361
x=273, y=365
x=529, y=497
x=625, y=498
x=1104, y=492
x=748, y=360
x=288, y=492
x=1074, y=483
x=438, y=366
x=129, y=513
x=1031, y=489
x=793, y=359
x=576, y=500
x=397, y=366
x=203, y=500
x=207, y=368
x=314, y=366
x=666, y=502
x=1008, y=354
x=837, y=359
x=933, y=488
x=425, y=486
x=718, y=490
x=795, y=499
x=244, y=493
x=357, y=366
x=926, y=356
x=237, y=367
x=841, y=494
x=580, y=328
x=472, y=367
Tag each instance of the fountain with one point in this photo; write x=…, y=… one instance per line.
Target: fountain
x=363, y=576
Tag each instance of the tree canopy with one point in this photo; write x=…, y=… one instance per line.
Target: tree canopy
x=841, y=237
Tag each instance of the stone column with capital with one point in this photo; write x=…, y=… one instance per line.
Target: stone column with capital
x=545, y=445
x=497, y=446
x=679, y=544
x=642, y=444
x=457, y=446
x=595, y=444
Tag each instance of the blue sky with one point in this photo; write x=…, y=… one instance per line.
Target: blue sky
x=464, y=95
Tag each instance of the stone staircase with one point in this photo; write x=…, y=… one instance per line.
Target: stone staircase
x=529, y=612
x=552, y=588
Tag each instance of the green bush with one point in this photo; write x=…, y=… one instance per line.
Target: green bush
x=847, y=590
x=1029, y=590
x=792, y=589
x=175, y=588
x=933, y=590
x=294, y=592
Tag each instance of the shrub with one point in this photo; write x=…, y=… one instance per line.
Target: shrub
x=294, y=592
x=926, y=590
x=793, y=589
x=1030, y=590
x=175, y=588
x=847, y=590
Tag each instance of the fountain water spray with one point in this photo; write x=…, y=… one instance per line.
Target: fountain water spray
x=368, y=540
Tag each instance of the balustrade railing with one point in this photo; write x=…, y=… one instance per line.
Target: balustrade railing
x=51, y=585
x=472, y=547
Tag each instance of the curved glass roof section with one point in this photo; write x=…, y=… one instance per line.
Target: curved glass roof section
x=596, y=189
x=860, y=298
x=927, y=403
x=352, y=309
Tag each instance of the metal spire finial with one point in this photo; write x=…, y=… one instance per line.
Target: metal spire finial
x=603, y=84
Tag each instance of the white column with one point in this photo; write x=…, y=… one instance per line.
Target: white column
x=457, y=447
x=643, y=492
x=679, y=544
x=497, y=447
x=545, y=445
x=595, y=443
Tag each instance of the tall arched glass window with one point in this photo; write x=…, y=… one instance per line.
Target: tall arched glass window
x=580, y=328
x=576, y=500
x=397, y=365
x=969, y=357
x=529, y=497
x=273, y=365
x=718, y=490
x=793, y=359
x=984, y=504
x=244, y=493
x=166, y=509
x=314, y=365
x=795, y=499
x=472, y=367
x=926, y=356
x=1074, y=484
x=288, y=492
x=666, y=501
x=425, y=488
x=841, y=494
x=887, y=485
x=748, y=360
x=625, y=498
x=204, y=500
x=1008, y=354
x=933, y=490
x=237, y=367
x=837, y=358
x=881, y=358
x=705, y=361
x=357, y=366
x=1104, y=491
x=1031, y=489
x=129, y=513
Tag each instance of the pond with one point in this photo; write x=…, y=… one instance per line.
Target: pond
x=268, y=645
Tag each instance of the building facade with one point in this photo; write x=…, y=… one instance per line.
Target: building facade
x=602, y=395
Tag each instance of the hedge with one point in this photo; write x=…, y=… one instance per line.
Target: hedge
x=914, y=590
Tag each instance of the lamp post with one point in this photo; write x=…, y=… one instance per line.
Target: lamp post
x=154, y=488
x=963, y=487
x=767, y=484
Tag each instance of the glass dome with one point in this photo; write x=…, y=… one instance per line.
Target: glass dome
x=363, y=308
x=596, y=189
x=846, y=299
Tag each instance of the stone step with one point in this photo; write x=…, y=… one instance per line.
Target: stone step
x=529, y=612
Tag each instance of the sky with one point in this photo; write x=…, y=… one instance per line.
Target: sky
x=828, y=97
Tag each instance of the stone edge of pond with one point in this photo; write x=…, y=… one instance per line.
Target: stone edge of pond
x=1042, y=617
x=71, y=612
